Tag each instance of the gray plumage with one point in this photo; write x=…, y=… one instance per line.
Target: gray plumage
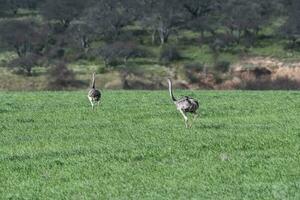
x=184, y=105
x=94, y=95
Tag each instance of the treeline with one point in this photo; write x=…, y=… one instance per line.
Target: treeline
x=41, y=32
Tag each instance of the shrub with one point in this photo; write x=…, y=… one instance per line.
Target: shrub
x=101, y=69
x=61, y=77
x=222, y=66
x=194, y=66
x=292, y=46
x=120, y=52
x=169, y=54
x=25, y=63
x=282, y=83
x=192, y=71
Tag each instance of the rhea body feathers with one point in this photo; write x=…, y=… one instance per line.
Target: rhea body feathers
x=94, y=95
x=185, y=104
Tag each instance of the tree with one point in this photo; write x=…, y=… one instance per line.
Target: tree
x=108, y=18
x=9, y=7
x=117, y=54
x=291, y=28
x=4, y=7
x=120, y=52
x=25, y=63
x=244, y=18
x=81, y=35
x=27, y=4
x=22, y=36
x=26, y=38
x=62, y=11
x=202, y=15
x=162, y=18
x=60, y=76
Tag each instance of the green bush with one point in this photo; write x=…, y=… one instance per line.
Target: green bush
x=195, y=66
x=222, y=66
x=169, y=54
x=60, y=77
x=192, y=70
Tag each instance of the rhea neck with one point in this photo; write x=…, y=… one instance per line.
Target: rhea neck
x=171, y=91
x=93, y=82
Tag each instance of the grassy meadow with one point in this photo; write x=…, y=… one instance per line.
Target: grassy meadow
x=244, y=145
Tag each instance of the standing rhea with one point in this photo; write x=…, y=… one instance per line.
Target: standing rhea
x=184, y=105
x=94, y=95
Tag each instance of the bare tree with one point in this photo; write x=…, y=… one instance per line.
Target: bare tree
x=25, y=64
x=60, y=76
x=22, y=36
x=244, y=18
x=4, y=7
x=62, y=11
x=202, y=15
x=291, y=28
x=162, y=18
x=108, y=18
x=120, y=52
x=80, y=35
x=26, y=38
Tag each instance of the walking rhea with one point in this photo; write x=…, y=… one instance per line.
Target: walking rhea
x=184, y=105
x=94, y=95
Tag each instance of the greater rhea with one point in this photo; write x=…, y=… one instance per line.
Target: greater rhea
x=184, y=105
x=94, y=95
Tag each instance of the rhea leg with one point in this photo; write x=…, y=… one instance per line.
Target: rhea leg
x=194, y=118
x=92, y=105
x=185, y=118
x=91, y=100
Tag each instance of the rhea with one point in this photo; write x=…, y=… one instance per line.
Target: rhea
x=184, y=105
x=94, y=95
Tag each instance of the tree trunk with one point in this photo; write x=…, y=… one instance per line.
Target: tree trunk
x=84, y=42
x=125, y=60
x=153, y=37
x=294, y=40
x=28, y=71
x=239, y=37
x=202, y=35
x=164, y=36
x=124, y=75
x=162, y=40
x=106, y=63
x=18, y=51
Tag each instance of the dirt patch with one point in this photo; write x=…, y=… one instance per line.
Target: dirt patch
x=264, y=73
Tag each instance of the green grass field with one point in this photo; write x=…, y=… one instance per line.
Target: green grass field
x=244, y=145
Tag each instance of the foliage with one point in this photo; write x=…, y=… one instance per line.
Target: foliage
x=192, y=70
x=22, y=36
x=163, y=18
x=169, y=53
x=62, y=11
x=73, y=30
x=108, y=18
x=222, y=66
x=80, y=36
x=26, y=38
x=280, y=83
x=197, y=67
x=291, y=28
x=25, y=63
x=202, y=15
x=60, y=76
x=120, y=52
